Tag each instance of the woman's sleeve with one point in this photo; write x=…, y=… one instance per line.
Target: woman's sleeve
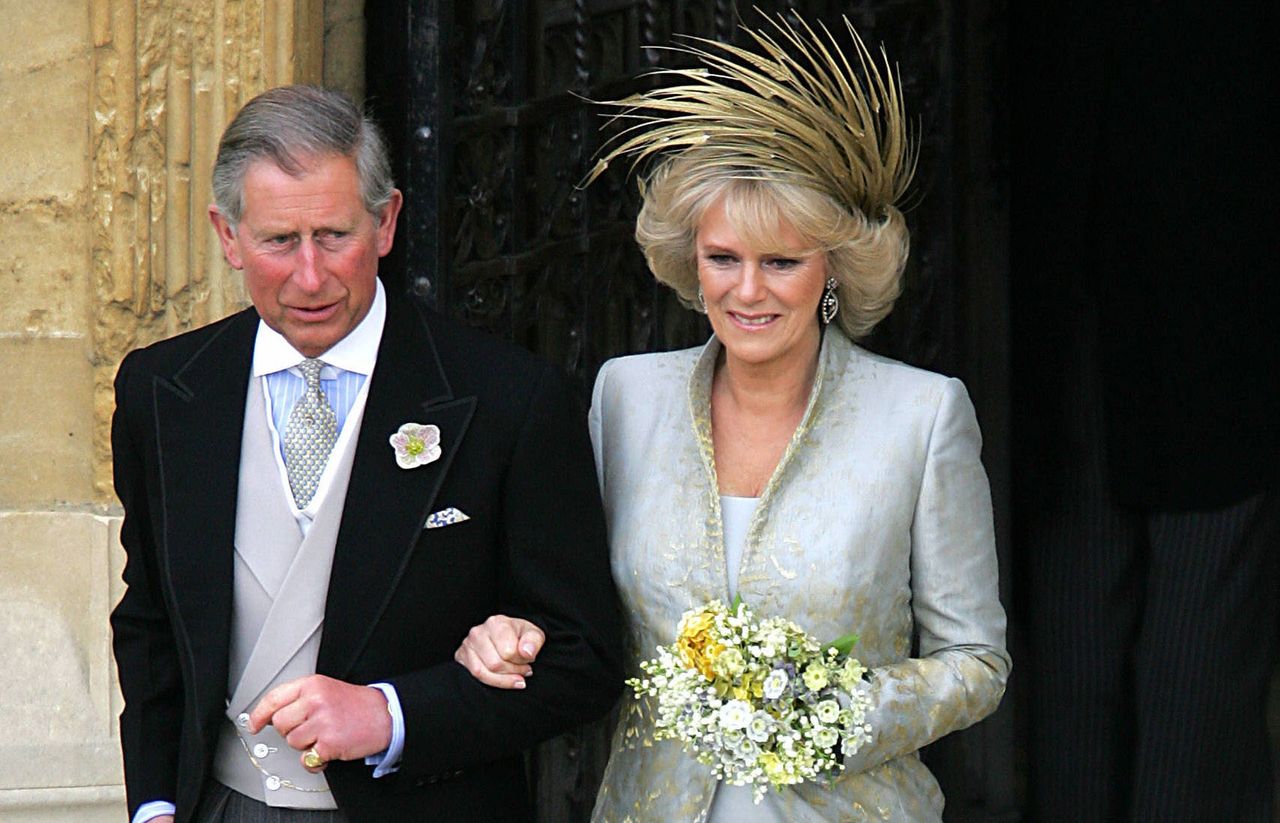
x=960, y=675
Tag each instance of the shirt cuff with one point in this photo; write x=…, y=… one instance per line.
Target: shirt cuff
x=153, y=809
x=388, y=761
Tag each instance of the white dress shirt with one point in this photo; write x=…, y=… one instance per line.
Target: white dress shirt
x=344, y=380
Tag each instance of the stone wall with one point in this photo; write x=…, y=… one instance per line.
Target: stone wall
x=113, y=110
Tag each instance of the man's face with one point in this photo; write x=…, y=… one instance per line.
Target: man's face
x=308, y=249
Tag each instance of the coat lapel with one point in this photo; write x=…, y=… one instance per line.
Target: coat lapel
x=386, y=506
x=199, y=421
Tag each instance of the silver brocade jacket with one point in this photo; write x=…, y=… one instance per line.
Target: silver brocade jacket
x=877, y=521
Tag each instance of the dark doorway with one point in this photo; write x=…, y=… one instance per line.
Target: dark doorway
x=484, y=105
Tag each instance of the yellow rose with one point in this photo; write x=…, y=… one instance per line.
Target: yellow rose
x=696, y=644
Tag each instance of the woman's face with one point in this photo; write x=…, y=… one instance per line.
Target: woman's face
x=762, y=307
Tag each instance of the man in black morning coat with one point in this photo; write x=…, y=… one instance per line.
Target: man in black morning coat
x=226, y=527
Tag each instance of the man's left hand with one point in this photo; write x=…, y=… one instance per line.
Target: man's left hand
x=341, y=721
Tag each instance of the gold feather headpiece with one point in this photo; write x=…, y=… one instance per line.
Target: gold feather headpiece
x=799, y=109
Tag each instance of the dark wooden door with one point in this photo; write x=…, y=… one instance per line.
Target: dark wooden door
x=484, y=104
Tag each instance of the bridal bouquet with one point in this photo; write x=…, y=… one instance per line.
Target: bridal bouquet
x=761, y=701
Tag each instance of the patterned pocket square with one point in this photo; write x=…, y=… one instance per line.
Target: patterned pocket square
x=445, y=517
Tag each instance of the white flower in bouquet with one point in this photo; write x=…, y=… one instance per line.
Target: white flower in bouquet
x=827, y=711
x=760, y=728
x=736, y=714
x=815, y=676
x=774, y=684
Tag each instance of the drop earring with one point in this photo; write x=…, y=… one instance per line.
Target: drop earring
x=830, y=304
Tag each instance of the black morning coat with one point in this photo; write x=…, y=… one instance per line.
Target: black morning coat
x=516, y=459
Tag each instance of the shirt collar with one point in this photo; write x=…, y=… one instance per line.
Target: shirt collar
x=357, y=352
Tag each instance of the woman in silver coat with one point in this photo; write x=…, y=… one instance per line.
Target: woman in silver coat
x=780, y=462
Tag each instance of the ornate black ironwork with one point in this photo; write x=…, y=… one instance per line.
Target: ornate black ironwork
x=499, y=135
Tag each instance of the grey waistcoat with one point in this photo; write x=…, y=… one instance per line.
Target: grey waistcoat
x=281, y=582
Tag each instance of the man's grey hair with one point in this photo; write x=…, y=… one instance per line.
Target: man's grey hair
x=292, y=126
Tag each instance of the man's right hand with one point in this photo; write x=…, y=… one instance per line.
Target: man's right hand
x=499, y=651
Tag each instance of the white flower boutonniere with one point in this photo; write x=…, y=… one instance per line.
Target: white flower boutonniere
x=416, y=445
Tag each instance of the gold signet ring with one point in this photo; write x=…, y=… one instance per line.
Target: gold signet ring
x=312, y=759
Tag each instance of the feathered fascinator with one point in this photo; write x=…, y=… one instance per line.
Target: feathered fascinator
x=798, y=109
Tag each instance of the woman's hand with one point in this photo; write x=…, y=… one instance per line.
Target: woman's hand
x=499, y=651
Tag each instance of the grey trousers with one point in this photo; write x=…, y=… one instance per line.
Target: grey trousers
x=223, y=805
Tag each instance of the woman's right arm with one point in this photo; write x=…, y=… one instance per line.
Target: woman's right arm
x=500, y=651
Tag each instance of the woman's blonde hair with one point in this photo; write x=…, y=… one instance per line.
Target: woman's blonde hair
x=866, y=256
